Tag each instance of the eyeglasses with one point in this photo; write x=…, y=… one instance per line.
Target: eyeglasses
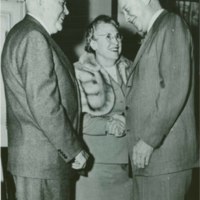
x=109, y=37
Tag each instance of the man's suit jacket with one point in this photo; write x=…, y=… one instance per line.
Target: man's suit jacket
x=160, y=97
x=42, y=103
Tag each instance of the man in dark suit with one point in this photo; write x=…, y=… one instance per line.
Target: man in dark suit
x=43, y=108
x=160, y=103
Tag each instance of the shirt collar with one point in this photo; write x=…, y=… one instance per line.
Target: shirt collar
x=153, y=19
x=40, y=21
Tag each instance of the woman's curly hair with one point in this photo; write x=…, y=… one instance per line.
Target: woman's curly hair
x=93, y=25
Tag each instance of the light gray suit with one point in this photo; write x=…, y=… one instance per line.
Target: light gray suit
x=42, y=104
x=160, y=99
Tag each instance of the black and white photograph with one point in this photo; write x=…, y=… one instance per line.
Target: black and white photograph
x=99, y=100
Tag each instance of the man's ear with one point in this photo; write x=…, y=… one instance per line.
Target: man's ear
x=146, y=2
x=93, y=44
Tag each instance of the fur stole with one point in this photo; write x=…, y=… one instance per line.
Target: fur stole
x=97, y=95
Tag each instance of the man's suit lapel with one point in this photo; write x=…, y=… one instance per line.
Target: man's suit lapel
x=63, y=58
x=137, y=58
x=145, y=43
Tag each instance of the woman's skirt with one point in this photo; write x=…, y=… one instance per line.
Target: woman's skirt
x=105, y=182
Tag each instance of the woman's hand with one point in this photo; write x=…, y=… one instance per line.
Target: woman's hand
x=116, y=125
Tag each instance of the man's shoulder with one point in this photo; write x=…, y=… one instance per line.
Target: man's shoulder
x=172, y=20
x=24, y=29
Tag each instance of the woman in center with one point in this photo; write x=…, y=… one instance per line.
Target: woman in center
x=101, y=72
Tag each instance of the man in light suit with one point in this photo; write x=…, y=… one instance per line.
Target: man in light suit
x=43, y=108
x=160, y=103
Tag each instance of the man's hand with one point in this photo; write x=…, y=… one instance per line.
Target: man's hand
x=80, y=160
x=141, y=154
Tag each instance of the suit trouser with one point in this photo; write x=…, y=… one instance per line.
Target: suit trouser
x=41, y=189
x=172, y=186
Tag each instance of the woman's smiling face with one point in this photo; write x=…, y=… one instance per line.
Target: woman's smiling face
x=107, y=42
